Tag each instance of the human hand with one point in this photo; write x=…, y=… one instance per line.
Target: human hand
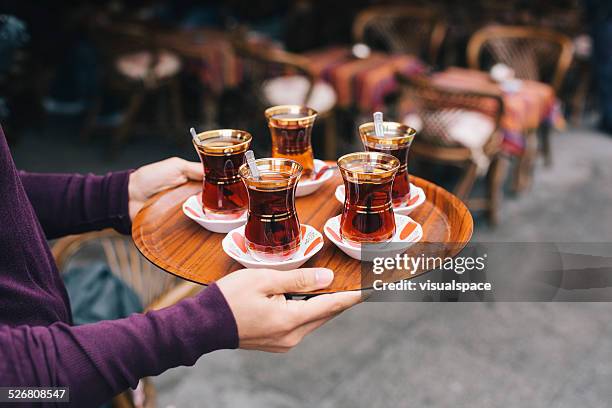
x=266, y=320
x=155, y=177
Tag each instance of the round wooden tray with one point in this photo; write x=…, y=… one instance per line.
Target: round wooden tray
x=173, y=242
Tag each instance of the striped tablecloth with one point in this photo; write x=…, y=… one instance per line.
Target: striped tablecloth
x=524, y=110
x=361, y=83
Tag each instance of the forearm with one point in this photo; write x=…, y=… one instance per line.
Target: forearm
x=100, y=360
x=74, y=203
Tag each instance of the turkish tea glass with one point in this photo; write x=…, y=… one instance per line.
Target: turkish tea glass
x=396, y=141
x=221, y=151
x=272, y=231
x=291, y=131
x=367, y=215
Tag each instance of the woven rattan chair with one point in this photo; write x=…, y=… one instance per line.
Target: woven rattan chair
x=155, y=288
x=537, y=54
x=438, y=108
x=401, y=30
x=278, y=77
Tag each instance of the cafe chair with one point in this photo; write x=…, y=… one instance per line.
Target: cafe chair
x=155, y=288
x=401, y=29
x=283, y=78
x=461, y=129
x=135, y=70
x=534, y=53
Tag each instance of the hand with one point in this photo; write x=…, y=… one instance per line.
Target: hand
x=266, y=320
x=155, y=177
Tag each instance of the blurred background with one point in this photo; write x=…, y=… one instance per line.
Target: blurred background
x=513, y=104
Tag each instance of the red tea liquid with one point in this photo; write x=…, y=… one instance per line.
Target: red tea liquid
x=224, y=195
x=272, y=231
x=368, y=214
x=400, y=192
x=293, y=142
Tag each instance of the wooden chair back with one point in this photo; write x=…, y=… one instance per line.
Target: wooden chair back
x=437, y=106
x=538, y=54
x=401, y=29
x=261, y=62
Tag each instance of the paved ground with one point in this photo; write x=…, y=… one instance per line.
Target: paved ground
x=424, y=354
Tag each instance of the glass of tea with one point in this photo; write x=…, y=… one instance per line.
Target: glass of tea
x=368, y=215
x=396, y=141
x=291, y=130
x=272, y=231
x=222, y=153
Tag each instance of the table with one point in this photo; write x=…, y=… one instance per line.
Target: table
x=178, y=245
x=362, y=83
x=524, y=110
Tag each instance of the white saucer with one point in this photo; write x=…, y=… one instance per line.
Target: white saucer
x=407, y=233
x=234, y=245
x=309, y=186
x=417, y=197
x=192, y=207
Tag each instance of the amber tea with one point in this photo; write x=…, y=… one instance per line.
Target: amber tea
x=272, y=231
x=367, y=215
x=291, y=131
x=224, y=196
x=396, y=141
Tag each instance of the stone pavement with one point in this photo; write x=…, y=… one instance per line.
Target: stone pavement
x=428, y=354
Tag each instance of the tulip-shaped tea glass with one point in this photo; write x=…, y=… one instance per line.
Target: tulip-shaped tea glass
x=367, y=215
x=222, y=153
x=291, y=130
x=396, y=141
x=272, y=231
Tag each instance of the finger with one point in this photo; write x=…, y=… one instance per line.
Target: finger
x=323, y=306
x=298, y=280
x=192, y=170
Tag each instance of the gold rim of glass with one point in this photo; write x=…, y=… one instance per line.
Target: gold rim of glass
x=289, y=169
x=306, y=116
x=205, y=141
x=384, y=166
x=395, y=135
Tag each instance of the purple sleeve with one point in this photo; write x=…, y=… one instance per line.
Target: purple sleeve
x=74, y=203
x=97, y=361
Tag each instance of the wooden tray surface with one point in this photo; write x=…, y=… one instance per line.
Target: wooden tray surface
x=173, y=242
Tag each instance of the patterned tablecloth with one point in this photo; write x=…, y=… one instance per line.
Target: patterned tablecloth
x=524, y=110
x=361, y=83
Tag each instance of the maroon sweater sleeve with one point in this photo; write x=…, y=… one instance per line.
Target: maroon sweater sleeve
x=38, y=347
x=74, y=203
x=99, y=360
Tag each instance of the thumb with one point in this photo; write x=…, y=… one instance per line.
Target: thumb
x=192, y=170
x=299, y=280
